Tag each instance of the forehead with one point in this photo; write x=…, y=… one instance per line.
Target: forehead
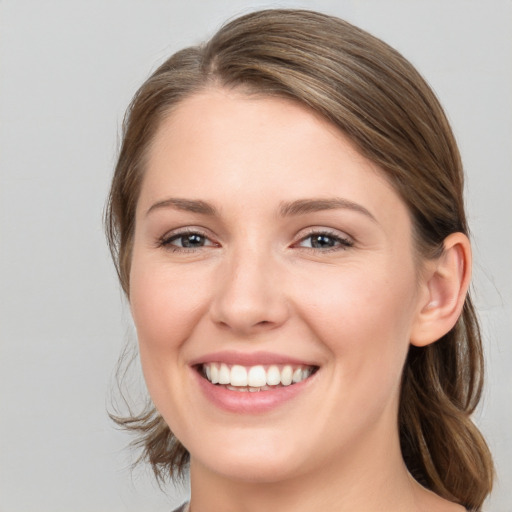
x=226, y=145
x=225, y=119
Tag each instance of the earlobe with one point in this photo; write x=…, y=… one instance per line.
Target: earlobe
x=445, y=288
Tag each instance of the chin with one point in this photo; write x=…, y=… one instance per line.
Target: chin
x=261, y=470
x=255, y=461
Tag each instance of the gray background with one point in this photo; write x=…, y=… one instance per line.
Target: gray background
x=68, y=70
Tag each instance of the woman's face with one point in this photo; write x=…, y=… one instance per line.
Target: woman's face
x=267, y=249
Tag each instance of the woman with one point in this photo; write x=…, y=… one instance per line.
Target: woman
x=287, y=221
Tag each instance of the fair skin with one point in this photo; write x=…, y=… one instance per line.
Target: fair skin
x=263, y=238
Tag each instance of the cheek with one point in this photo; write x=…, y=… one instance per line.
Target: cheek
x=362, y=316
x=166, y=305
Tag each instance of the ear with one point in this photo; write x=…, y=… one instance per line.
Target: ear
x=444, y=284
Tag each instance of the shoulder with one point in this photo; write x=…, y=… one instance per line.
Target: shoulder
x=183, y=508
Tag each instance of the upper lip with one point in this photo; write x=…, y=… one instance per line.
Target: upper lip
x=249, y=359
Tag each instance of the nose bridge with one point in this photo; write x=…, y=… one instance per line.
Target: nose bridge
x=249, y=296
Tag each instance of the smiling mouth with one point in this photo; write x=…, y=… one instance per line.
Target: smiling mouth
x=255, y=378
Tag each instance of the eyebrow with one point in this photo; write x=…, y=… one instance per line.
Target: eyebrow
x=286, y=209
x=187, y=205
x=303, y=206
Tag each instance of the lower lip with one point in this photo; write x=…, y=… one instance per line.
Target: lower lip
x=250, y=402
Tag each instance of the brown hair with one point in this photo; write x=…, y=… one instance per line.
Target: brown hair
x=377, y=98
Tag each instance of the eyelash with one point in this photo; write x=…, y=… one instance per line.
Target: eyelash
x=166, y=240
x=341, y=243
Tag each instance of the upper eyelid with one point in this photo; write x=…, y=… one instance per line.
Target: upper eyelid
x=304, y=233
x=301, y=235
x=343, y=239
x=185, y=231
x=170, y=236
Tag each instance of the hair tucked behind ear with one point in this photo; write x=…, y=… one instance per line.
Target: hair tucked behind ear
x=441, y=386
x=376, y=97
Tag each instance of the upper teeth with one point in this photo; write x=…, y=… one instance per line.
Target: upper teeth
x=255, y=376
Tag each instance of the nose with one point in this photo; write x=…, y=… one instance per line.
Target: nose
x=249, y=295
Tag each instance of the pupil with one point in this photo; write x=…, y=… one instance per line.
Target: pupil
x=192, y=241
x=320, y=241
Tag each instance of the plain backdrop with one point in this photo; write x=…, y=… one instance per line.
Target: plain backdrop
x=68, y=69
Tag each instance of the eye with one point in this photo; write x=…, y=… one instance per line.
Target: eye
x=325, y=241
x=186, y=241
